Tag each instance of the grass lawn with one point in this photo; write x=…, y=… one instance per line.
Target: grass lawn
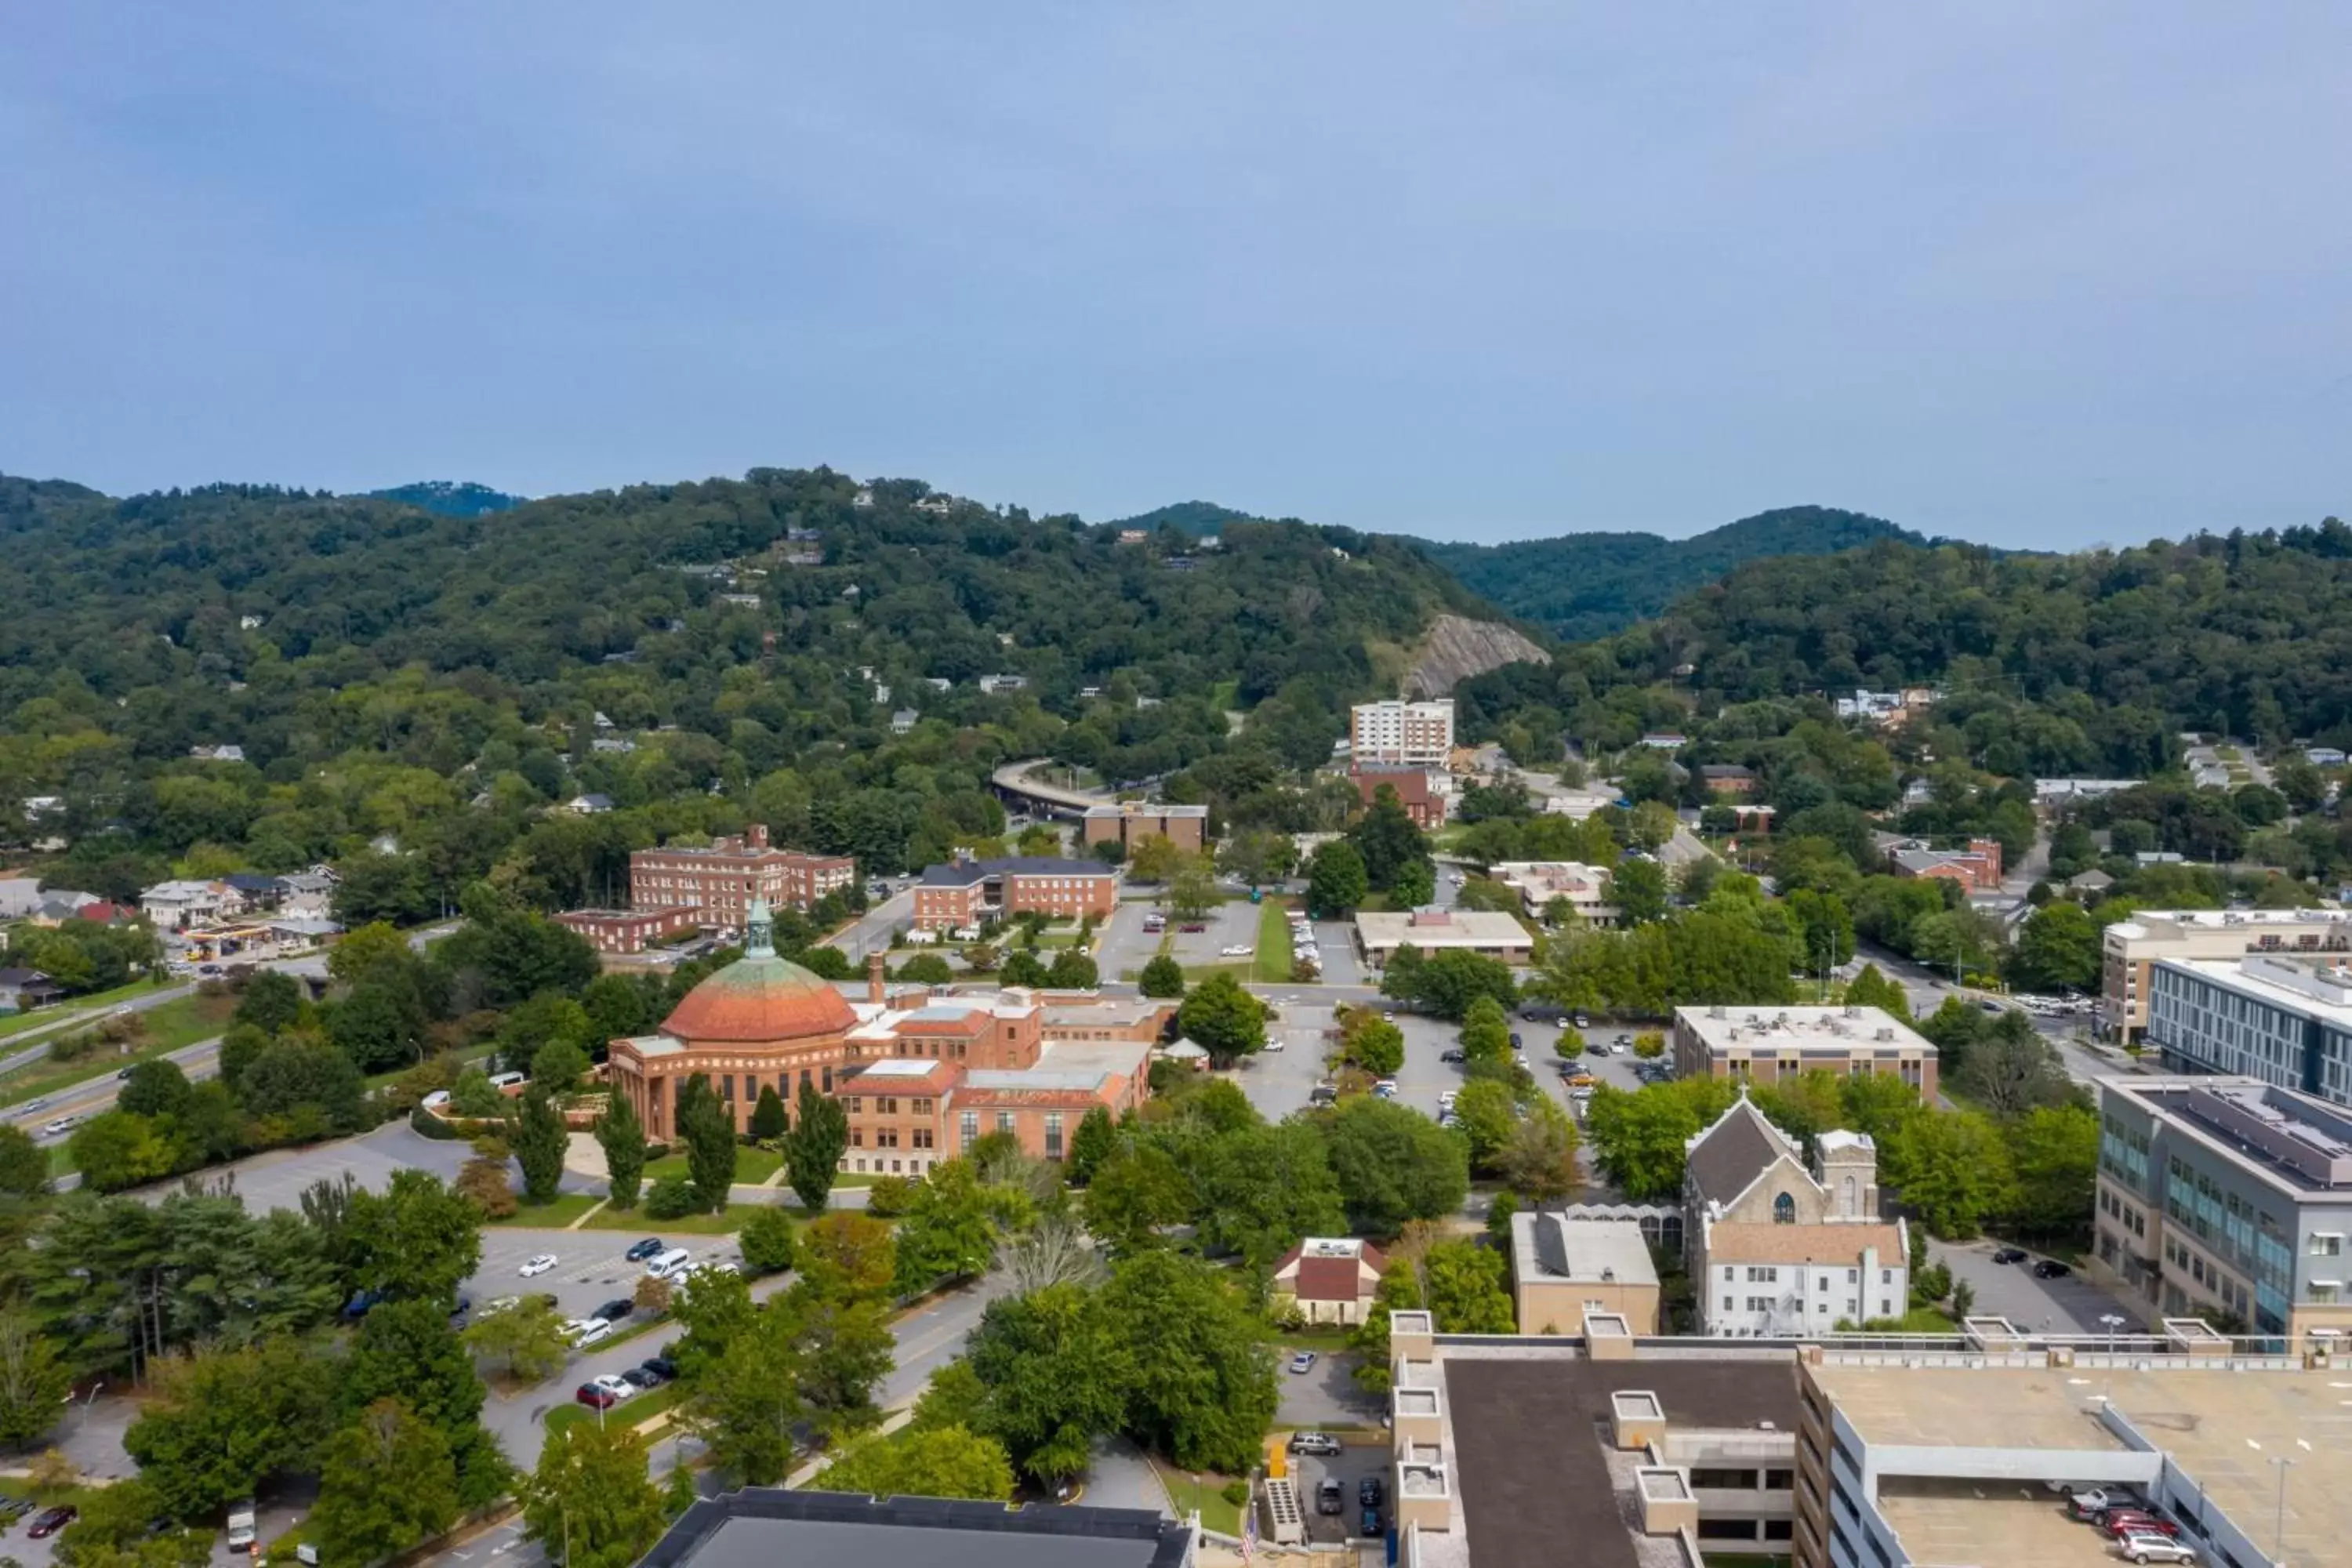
x=566, y=1208
x=752, y=1166
x=1323, y=1340
x=1273, y=965
x=1196, y=973
x=642, y=1408
x=90, y=1006
x=1216, y=1514
x=723, y=1224
x=1925, y=1321
x=180, y=1022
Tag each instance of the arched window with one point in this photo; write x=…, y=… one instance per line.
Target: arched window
x=1852, y=1203
x=1784, y=1210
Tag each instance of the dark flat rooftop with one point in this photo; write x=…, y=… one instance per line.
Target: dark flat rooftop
x=1531, y=1438
x=765, y=1527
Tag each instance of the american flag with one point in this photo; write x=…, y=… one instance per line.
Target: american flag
x=1249, y=1528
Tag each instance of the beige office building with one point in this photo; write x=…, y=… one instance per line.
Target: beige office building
x=1409, y=735
x=2133, y=946
x=1764, y=1044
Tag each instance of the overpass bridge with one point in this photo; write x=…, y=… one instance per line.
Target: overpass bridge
x=1015, y=781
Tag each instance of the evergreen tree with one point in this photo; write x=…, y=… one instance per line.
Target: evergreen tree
x=623, y=1137
x=707, y=1126
x=812, y=1149
x=540, y=1141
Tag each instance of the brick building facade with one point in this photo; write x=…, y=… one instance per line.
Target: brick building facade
x=725, y=878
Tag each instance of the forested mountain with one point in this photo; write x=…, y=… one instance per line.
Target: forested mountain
x=2053, y=664
x=390, y=669
x=450, y=498
x=1589, y=585
x=1196, y=518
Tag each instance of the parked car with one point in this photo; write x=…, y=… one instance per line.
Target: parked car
x=1328, y=1499
x=619, y=1387
x=661, y=1366
x=595, y=1396
x=651, y=1247
x=2050, y=1269
x=1369, y=1525
x=2093, y=1503
x=1515, y=1041
x=2009, y=1255
x=1582, y=1022
x=49, y=1520
x=500, y=1304
x=1303, y=1362
x=537, y=1264
x=1320, y=1444
x=1370, y=1492
x=638, y=1377
x=1193, y=926
x=582, y=1332
x=2122, y=1521
x=614, y=1310
x=2153, y=1548
x=1452, y=1054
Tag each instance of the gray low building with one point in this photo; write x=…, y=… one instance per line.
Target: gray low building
x=2226, y=1198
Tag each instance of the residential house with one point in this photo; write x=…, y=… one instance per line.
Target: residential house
x=1330, y=1279
x=1727, y=779
x=2324, y=756
x=308, y=895
x=216, y=753
x=589, y=805
x=904, y=721
x=259, y=892
x=25, y=989
x=996, y=685
x=178, y=905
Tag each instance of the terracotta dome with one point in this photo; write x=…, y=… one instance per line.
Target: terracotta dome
x=761, y=997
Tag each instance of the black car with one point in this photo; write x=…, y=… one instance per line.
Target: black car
x=614, y=1310
x=664, y=1369
x=638, y=1377
x=1515, y=1041
x=2050, y=1269
x=1370, y=1492
x=1372, y=1523
x=2009, y=1255
x=651, y=1247
x=1451, y=1054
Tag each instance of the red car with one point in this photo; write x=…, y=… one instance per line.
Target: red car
x=2120, y=1522
x=1192, y=926
x=596, y=1398
x=51, y=1521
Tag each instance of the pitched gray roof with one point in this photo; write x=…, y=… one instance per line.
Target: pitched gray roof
x=1733, y=1153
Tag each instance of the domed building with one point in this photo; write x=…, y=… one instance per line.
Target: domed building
x=922, y=1077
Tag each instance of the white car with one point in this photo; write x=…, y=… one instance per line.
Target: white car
x=499, y=1304
x=619, y=1387
x=2147, y=1546
x=585, y=1332
x=533, y=1267
x=1273, y=1043
x=62, y=1124
x=1236, y=950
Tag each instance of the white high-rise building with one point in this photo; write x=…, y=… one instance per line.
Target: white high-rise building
x=1414, y=735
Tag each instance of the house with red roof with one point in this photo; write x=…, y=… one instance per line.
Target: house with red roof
x=1330, y=1279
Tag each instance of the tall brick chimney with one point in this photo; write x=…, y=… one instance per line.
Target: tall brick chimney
x=875, y=989
x=758, y=835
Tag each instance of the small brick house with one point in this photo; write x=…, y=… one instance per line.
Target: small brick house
x=1331, y=1280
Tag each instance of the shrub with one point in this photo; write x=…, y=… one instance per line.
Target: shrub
x=672, y=1197
x=1236, y=1493
x=424, y=1122
x=483, y=1182
x=652, y=1296
x=767, y=1241
x=889, y=1196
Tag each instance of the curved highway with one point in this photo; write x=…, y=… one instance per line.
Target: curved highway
x=1014, y=779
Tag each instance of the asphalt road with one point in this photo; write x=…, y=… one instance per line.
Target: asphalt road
x=871, y=932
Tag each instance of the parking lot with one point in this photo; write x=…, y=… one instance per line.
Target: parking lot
x=1350, y=1467
x=2063, y=1306
x=1126, y=947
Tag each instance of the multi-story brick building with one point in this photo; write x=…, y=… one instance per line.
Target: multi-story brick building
x=1420, y=791
x=966, y=892
x=1976, y=868
x=1766, y=1044
x=1128, y=823
x=1409, y=735
x=726, y=878
x=630, y=930
x=2132, y=947
x=922, y=1077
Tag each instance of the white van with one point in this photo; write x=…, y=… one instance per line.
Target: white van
x=506, y=1080
x=672, y=1262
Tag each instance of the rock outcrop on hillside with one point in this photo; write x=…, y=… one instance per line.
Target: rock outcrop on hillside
x=1457, y=648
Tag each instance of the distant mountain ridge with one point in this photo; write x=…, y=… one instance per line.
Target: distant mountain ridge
x=1583, y=586
x=449, y=498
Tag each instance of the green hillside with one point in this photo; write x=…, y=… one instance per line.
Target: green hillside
x=451, y=498
x=390, y=669
x=1589, y=585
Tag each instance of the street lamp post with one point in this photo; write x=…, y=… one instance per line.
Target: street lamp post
x=2111, y=1321
x=2278, y=1521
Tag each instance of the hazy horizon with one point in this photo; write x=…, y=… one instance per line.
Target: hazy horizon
x=2037, y=278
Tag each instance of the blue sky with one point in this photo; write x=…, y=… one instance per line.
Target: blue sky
x=2034, y=274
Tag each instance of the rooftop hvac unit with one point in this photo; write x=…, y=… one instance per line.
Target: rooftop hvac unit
x=1886, y=1034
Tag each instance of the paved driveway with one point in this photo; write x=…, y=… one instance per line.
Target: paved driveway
x=1326, y=1397
x=2071, y=1305
x=1125, y=947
